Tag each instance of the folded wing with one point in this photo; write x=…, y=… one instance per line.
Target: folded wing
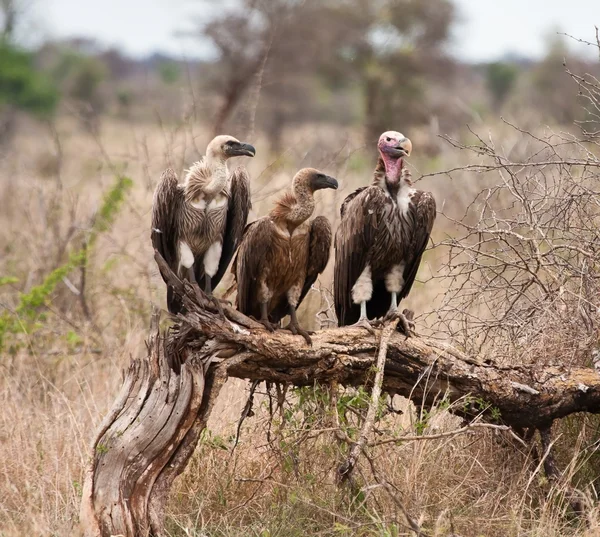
x=165, y=233
x=318, y=256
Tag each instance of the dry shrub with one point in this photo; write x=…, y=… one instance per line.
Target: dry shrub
x=522, y=268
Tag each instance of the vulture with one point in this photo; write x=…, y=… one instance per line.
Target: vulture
x=282, y=254
x=383, y=232
x=197, y=226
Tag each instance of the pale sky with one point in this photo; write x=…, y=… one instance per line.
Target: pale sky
x=487, y=29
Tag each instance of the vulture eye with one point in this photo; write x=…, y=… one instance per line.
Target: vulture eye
x=388, y=139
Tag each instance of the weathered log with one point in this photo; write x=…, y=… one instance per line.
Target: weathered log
x=153, y=428
x=145, y=441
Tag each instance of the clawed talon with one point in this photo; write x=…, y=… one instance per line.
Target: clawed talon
x=409, y=315
x=296, y=330
x=267, y=324
x=290, y=328
x=364, y=323
x=217, y=304
x=405, y=321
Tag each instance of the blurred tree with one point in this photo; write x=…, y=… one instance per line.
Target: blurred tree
x=22, y=87
x=125, y=98
x=80, y=76
x=501, y=78
x=241, y=42
x=8, y=18
x=553, y=90
x=387, y=46
x=275, y=44
x=392, y=47
x=117, y=65
x=169, y=72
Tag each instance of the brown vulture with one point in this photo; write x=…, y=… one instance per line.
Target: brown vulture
x=282, y=254
x=197, y=226
x=383, y=232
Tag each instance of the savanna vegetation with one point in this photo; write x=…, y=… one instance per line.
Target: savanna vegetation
x=511, y=151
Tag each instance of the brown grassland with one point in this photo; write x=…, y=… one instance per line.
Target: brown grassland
x=59, y=377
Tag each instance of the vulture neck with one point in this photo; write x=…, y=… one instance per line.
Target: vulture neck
x=217, y=168
x=388, y=175
x=294, y=208
x=207, y=179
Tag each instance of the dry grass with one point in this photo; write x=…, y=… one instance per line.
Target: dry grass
x=55, y=385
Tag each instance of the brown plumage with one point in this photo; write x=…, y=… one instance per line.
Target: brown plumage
x=383, y=233
x=197, y=226
x=282, y=254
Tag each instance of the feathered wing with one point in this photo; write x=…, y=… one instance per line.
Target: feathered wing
x=318, y=256
x=250, y=262
x=166, y=206
x=349, y=198
x=361, y=218
x=237, y=215
x=423, y=212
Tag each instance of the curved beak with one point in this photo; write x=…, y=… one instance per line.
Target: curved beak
x=325, y=181
x=402, y=149
x=242, y=150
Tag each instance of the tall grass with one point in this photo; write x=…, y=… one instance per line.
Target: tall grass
x=56, y=385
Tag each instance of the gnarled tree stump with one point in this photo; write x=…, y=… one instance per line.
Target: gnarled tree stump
x=149, y=435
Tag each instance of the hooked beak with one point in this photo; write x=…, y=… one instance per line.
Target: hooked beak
x=402, y=149
x=325, y=181
x=242, y=150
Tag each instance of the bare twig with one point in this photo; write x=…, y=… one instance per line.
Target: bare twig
x=247, y=411
x=467, y=428
x=345, y=470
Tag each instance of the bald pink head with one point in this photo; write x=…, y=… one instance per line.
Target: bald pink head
x=393, y=146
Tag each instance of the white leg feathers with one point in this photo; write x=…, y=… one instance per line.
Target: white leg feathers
x=186, y=257
x=394, y=280
x=212, y=258
x=362, y=290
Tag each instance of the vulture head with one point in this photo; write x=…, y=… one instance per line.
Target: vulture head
x=313, y=180
x=224, y=147
x=393, y=147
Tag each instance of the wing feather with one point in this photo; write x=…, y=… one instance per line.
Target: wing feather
x=354, y=239
x=249, y=262
x=166, y=205
x=349, y=198
x=424, y=212
x=318, y=255
x=237, y=215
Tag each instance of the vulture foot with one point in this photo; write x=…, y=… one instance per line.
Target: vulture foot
x=226, y=302
x=216, y=302
x=297, y=330
x=289, y=327
x=405, y=321
x=266, y=323
x=364, y=323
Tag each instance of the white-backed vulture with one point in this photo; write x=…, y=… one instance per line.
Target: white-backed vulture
x=197, y=226
x=282, y=254
x=383, y=232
